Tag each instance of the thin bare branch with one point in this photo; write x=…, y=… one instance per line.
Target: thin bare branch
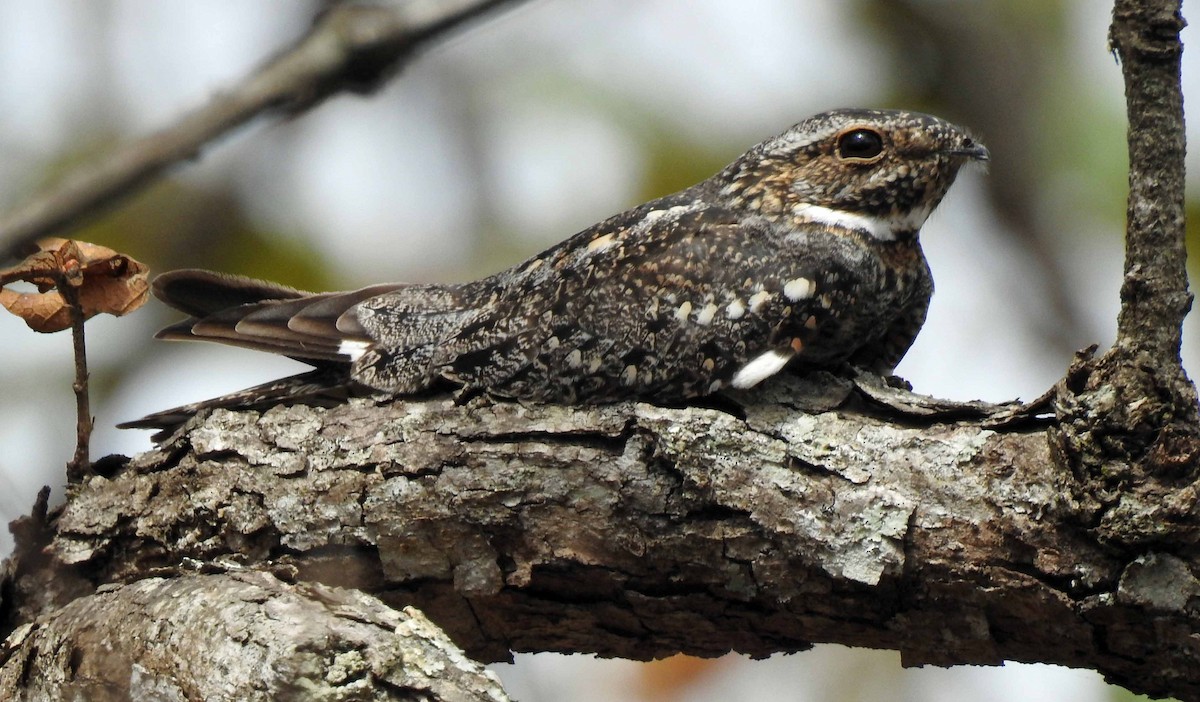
x=352, y=47
x=77, y=468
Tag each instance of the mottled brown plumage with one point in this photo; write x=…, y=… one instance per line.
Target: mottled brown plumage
x=802, y=251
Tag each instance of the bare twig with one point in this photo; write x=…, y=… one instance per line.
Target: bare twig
x=78, y=466
x=351, y=47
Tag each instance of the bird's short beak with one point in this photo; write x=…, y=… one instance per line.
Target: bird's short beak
x=969, y=148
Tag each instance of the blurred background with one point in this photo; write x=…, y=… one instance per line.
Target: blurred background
x=530, y=127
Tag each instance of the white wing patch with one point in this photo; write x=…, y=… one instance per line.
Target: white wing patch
x=760, y=368
x=799, y=289
x=758, y=299
x=354, y=348
x=682, y=312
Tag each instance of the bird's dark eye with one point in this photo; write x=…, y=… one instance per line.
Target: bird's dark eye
x=862, y=144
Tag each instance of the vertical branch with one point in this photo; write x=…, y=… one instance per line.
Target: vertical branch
x=1154, y=296
x=1129, y=425
x=83, y=412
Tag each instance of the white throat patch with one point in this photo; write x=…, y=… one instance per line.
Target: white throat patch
x=880, y=228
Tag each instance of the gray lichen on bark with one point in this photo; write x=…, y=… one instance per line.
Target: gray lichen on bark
x=244, y=636
x=638, y=531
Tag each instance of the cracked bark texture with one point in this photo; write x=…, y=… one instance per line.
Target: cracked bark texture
x=1136, y=398
x=800, y=514
x=814, y=510
x=1129, y=422
x=167, y=638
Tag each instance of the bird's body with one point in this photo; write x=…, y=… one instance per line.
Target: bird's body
x=802, y=251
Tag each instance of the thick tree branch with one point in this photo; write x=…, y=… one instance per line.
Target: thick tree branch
x=640, y=531
x=353, y=47
x=165, y=639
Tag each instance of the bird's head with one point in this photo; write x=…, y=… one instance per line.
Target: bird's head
x=882, y=171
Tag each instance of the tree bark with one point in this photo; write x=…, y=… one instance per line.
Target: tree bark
x=244, y=636
x=1129, y=424
x=801, y=514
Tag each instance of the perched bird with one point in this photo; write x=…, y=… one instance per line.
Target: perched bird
x=803, y=251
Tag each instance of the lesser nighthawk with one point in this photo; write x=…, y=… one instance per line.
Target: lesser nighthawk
x=803, y=251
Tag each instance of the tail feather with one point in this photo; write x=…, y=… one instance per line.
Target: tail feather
x=384, y=337
x=264, y=316
x=321, y=386
x=326, y=317
x=327, y=354
x=201, y=293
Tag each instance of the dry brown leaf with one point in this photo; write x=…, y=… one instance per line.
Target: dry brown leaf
x=104, y=280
